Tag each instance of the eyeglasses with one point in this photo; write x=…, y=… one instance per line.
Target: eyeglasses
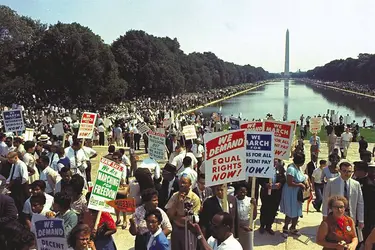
x=339, y=207
x=84, y=239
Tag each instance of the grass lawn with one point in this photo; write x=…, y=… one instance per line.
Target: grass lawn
x=368, y=133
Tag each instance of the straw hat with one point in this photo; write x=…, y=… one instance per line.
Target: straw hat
x=43, y=138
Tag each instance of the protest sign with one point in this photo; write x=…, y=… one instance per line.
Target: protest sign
x=260, y=154
x=252, y=126
x=335, y=118
x=87, y=125
x=106, y=185
x=189, y=132
x=325, y=122
x=58, y=129
x=123, y=205
x=156, y=145
x=225, y=157
x=13, y=121
x=50, y=234
x=143, y=128
x=315, y=124
x=29, y=134
x=283, y=136
x=234, y=123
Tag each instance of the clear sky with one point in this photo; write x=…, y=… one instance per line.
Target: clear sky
x=239, y=31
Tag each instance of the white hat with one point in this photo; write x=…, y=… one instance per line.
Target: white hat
x=43, y=138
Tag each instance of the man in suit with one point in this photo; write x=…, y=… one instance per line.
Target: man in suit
x=169, y=185
x=8, y=215
x=214, y=205
x=349, y=188
x=368, y=189
x=201, y=190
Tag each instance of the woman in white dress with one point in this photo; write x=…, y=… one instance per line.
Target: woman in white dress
x=244, y=209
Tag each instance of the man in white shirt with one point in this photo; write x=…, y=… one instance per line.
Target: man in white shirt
x=346, y=138
x=178, y=160
x=153, y=166
x=222, y=237
x=48, y=175
x=318, y=184
x=89, y=154
x=189, y=171
x=3, y=146
x=77, y=159
x=198, y=151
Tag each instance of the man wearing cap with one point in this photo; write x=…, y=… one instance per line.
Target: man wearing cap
x=368, y=189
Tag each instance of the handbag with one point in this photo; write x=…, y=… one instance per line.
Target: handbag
x=304, y=195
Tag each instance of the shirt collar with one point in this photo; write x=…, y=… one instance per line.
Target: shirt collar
x=157, y=232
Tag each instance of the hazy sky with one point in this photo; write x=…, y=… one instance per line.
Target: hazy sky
x=239, y=31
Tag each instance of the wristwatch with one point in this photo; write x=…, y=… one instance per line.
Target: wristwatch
x=199, y=237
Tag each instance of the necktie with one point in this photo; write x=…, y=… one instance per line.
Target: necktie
x=75, y=158
x=11, y=175
x=53, y=156
x=224, y=206
x=346, y=194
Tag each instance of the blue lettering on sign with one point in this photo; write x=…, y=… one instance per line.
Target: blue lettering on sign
x=258, y=142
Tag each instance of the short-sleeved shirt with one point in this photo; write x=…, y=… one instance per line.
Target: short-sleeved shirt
x=139, y=219
x=229, y=244
x=317, y=174
x=176, y=207
x=27, y=206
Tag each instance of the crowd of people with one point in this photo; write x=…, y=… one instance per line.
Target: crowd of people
x=352, y=86
x=52, y=177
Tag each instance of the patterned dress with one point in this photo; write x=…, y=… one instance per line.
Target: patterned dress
x=340, y=231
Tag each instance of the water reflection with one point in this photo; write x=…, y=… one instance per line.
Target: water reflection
x=290, y=99
x=359, y=104
x=286, y=99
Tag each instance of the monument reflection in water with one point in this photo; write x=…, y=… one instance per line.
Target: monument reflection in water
x=286, y=99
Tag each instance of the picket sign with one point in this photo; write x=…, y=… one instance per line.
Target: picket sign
x=50, y=233
x=124, y=205
x=13, y=121
x=156, y=145
x=87, y=125
x=225, y=157
x=189, y=132
x=234, y=123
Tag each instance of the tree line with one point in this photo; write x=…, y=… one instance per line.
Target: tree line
x=69, y=64
x=360, y=70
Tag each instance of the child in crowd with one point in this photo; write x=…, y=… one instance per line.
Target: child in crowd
x=62, y=184
x=37, y=187
x=62, y=207
x=318, y=184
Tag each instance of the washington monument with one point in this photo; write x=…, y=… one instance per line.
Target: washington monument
x=286, y=69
